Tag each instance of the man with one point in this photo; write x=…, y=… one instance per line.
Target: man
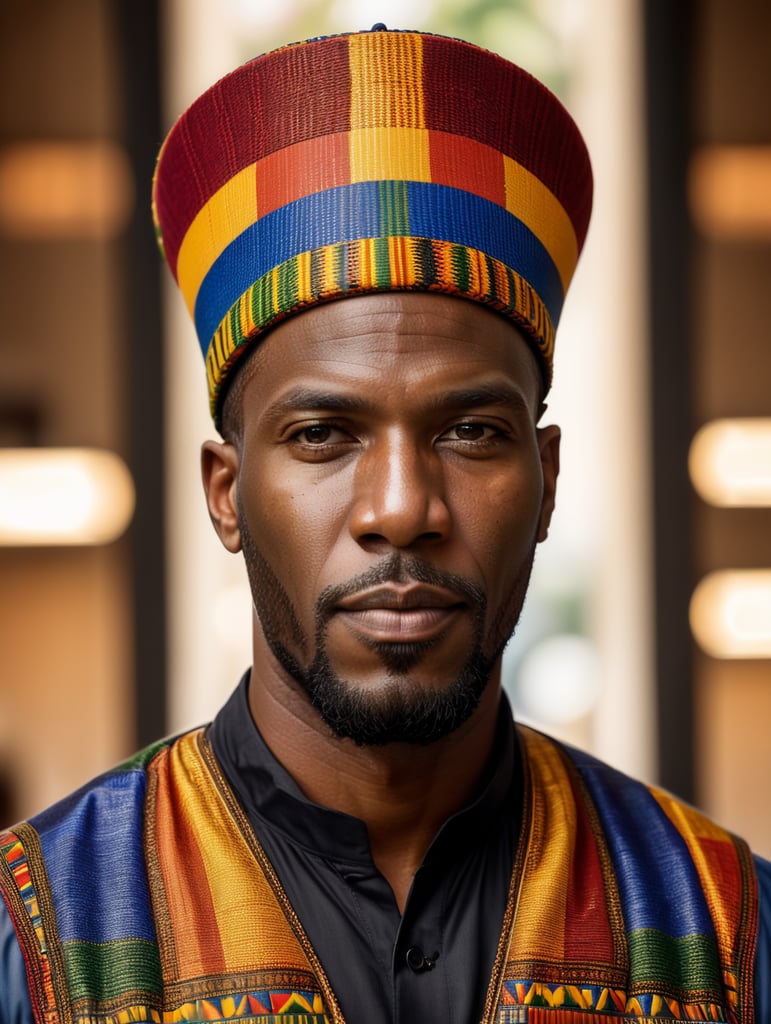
x=374, y=234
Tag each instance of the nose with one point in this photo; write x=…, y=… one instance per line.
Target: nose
x=399, y=496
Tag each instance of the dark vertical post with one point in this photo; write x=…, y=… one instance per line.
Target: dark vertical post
x=138, y=39
x=667, y=74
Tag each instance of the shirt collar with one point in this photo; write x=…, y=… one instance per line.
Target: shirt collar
x=270, y=796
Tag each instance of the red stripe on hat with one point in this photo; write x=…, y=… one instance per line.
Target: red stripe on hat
x=250, y=117
x=500, y=109
x=464, y=163
x=297, y=171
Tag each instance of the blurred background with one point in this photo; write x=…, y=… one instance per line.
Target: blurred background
x=646, y=637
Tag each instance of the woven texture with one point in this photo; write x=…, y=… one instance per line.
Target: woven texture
x=624, y=904
x=645, y=904
x=370, y=162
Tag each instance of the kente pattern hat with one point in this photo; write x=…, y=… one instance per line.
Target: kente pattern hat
x=374, y=161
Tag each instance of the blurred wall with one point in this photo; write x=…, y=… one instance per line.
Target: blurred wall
x=68, y=643
x=66, y=668
x=709, y=227
x=731, y=377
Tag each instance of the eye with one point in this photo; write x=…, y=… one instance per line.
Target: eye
x=319, y=433
x=321, y=437
x=470, y=431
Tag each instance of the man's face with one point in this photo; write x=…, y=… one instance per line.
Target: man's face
x=388, y=492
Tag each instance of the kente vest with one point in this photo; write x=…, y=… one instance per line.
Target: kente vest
x=146, y=896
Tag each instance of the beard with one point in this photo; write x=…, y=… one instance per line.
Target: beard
x=401, y=709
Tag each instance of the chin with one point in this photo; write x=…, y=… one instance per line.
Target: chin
x=401, y=709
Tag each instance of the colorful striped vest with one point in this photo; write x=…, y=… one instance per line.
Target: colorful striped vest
x=147, y=897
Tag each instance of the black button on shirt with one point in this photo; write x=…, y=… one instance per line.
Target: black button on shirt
x=434, y=961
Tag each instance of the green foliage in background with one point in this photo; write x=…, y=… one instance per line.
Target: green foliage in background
x=517, y=29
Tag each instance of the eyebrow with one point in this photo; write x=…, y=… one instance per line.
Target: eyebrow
x=302, y=398
x=498, y=393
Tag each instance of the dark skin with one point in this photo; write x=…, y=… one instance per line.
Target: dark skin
x=377, y=429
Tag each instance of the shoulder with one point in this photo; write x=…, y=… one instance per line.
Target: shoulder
x=649, y=832
x=763, y=953
x=677, y=871
x=91, y=842
x=628, y=805
x=83, y=860
x=108, y=807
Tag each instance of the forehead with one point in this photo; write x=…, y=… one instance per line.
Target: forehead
x=391, y=342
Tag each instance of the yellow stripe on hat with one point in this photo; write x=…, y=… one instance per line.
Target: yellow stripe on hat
x=327, y=274
x=390, y=154
x=231, y=210
x=378, y=98
x=398, y=262
x=304, y=283
x=536, y=206
x=245, y=318
x=366, y=247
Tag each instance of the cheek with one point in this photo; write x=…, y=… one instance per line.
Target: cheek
x=501, y=519
x=295, y=524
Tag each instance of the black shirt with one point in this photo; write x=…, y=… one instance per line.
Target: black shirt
x=434, y=961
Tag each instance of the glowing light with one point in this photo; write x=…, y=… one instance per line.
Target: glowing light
x=65, y=189
x=53, y=496
x=731, y=614
x=559, y=680
x=730, y=191
x=730, y=462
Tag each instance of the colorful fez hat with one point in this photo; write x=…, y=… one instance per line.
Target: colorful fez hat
x=374, y=161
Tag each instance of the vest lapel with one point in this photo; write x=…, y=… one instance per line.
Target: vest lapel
x=230, y=942
x=614, y=900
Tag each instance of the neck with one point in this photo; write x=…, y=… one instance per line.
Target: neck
x=402, y=792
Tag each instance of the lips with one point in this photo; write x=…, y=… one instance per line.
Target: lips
x=399, y=614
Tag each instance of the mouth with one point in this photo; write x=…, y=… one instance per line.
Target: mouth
x=399, y=614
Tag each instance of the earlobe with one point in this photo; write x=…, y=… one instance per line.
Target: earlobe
x=549, y=446
x=219, y=470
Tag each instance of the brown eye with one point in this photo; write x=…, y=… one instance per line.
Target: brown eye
x=317, y=434
x=470, y=431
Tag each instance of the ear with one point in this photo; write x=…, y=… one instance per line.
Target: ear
x=219, y=469
x=549, y=447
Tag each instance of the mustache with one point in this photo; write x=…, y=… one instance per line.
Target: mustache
x=399, y=568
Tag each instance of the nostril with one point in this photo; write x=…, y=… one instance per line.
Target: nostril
x=377, y=541
x=372, y=538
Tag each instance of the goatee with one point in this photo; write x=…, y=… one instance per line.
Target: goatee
x=401, y=710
